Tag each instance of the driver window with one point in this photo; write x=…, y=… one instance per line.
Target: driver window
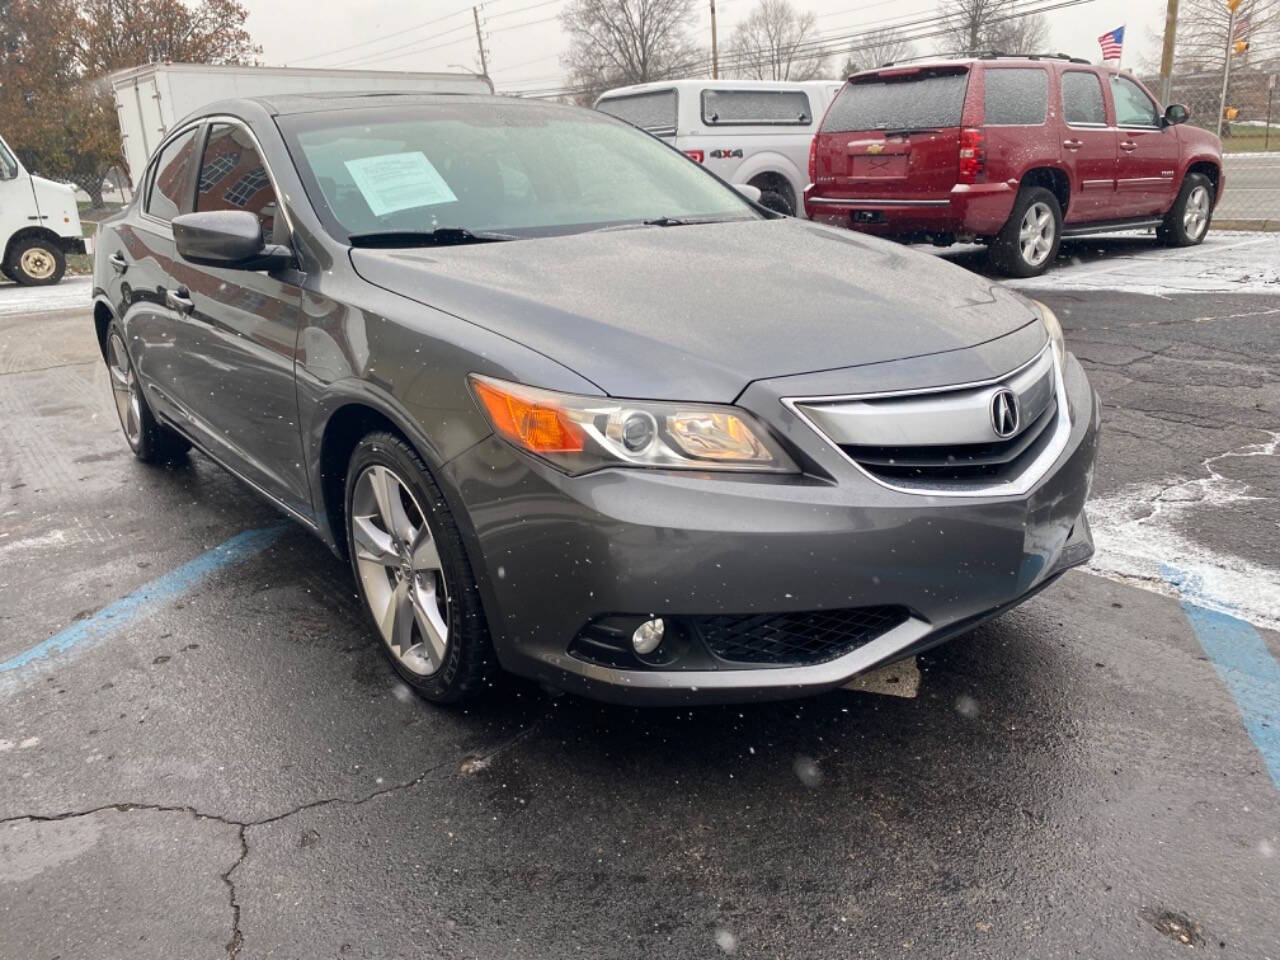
x=8, y=164
x=233, y=177
x=1133, y=107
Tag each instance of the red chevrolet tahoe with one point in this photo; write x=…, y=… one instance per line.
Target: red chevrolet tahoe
x=1013, y=152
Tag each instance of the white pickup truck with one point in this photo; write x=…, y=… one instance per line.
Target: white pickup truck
x=753, y=132
x=39, y=224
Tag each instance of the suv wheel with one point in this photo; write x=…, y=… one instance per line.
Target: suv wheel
x=412, y=572
x=1187, y=221
x=150, y=441
x=36, y=262
x=772, y=200
x=1029, y=240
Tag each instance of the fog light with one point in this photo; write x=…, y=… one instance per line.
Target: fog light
x=648, y=636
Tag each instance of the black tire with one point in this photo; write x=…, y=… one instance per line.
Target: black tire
x=36, y=262
x=1007, y=252
x=150, y=441
x=777, y=202
x=4, y=269
x=468, y=662
x=1181, y=229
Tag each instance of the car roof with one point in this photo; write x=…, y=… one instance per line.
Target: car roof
x=705, y=84
x=1001, y=59
x=292, y=104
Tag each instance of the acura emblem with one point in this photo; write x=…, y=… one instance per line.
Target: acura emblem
x=1004, y=413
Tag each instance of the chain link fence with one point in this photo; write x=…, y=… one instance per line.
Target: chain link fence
x=1250, y=137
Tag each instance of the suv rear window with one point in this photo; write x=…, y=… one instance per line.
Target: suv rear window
x=925, y=99
x=762, y=107
x=655, y=112
x=1016, y=96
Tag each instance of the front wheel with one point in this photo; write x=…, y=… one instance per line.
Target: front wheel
x=1028, y=242
x=1187, y=221
x=412, y=571
x=36, y=262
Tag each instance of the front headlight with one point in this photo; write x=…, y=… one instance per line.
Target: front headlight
x=579, y=434
x=1054, y=329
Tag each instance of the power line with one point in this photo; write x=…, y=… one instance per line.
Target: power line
x=365, y=43
x=825, y=46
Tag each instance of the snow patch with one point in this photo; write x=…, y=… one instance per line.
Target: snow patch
x=71, y=293
x=1137, y=537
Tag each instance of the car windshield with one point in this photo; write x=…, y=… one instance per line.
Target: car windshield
x=486, y=167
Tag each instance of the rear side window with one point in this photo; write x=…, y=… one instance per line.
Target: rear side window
x=758, y=107
x=918, y=100
x=173, y=167
x=655, y=112
x=1016, y=97
x=1082, y=99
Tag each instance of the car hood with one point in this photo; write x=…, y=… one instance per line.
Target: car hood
x=700, y=311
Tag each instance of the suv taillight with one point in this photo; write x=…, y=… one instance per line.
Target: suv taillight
x=697, y=156
x=973, y=155
x=813, y=160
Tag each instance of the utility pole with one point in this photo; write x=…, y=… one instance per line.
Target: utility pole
x=1226, y=62
x=484, y=63
x=1166, y=55
x=715, y=52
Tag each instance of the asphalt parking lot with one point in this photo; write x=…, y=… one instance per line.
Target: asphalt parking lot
x=203, y=753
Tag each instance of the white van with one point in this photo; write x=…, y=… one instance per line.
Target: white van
x=39, y=224
x=756, y=132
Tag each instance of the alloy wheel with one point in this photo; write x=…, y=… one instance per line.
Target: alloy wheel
x=1196, y=216
x=38, y=263
x=1036, y=233
x=400, y=570
x=124, y=389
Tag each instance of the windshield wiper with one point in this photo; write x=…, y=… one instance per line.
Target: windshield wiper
x=439, y=237
x=666, y=222
x=905, y=131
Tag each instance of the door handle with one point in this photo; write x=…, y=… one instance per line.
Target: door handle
x=1073, y=144
x=118, y=262
x=179, y=300
x=1128, y=146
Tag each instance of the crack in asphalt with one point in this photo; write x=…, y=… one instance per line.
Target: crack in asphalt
x=470, y=764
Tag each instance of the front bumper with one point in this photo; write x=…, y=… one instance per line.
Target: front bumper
x=554, y=553
x=978, y=210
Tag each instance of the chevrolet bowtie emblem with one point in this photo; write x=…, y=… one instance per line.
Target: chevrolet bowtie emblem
x=875, y=148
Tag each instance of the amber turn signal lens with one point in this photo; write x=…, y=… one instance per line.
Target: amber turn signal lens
x=538, y=427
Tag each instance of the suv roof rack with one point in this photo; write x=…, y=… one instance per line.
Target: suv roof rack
x=1001, y=55
x=984, y=55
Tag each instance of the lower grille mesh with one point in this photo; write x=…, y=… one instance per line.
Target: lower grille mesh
x=796, y=638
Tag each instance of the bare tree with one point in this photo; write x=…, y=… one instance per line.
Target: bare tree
x=1202, y=34
x=880, y=46
x=613, y=43
x=974, y=25
x=775, y=42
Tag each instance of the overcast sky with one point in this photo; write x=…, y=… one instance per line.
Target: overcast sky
x=525, y=40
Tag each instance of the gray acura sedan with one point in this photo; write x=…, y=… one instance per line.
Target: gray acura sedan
x=574, y=407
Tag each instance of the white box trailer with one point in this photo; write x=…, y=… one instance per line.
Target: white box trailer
x=152, y=98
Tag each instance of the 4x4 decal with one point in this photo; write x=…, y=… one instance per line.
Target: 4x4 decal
x=725, y=154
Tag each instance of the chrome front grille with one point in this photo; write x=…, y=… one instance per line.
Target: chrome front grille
x=948, y=441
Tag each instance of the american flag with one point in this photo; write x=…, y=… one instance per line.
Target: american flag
x=1112, y=43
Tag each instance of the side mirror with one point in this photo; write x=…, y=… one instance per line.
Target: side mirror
x=227, y=238
x=747, y=190
x=1175, y=114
